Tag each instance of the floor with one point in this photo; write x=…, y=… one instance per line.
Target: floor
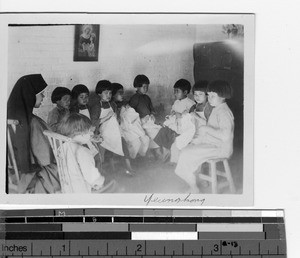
x=152, y=176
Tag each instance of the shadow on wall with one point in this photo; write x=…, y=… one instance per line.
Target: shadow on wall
x=224, y=61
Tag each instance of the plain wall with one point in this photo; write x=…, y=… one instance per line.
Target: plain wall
x=162, y=52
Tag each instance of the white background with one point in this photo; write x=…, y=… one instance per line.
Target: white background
x=277, y=89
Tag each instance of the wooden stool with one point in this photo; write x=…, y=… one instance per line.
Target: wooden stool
x=214, y=173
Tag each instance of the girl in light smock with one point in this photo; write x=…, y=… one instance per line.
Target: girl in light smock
x=104, y=119
x=135, y=140
x=84, y=174
x=216, y=136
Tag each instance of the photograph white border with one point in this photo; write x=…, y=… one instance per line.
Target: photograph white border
x=138, y=200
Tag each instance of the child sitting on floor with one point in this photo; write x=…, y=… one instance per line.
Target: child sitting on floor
x=217, y=135
x=80, y=162
x=80, y=99
x=61, y=96
x=135, y=138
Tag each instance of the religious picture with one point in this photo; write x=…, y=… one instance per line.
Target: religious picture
x=86, y=42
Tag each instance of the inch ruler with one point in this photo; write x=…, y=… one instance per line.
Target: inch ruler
x=81, y=233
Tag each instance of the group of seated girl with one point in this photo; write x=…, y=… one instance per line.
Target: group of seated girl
x=194, y=131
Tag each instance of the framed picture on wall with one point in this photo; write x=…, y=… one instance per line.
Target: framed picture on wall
x=86, y=43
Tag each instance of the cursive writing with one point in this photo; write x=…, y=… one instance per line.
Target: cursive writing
x=187, y=199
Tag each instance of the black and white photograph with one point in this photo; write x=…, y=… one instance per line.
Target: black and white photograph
x=162, y=115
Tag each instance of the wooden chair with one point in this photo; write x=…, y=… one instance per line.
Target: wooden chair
x=213, y=175
x=57, y=142
x=11, y=158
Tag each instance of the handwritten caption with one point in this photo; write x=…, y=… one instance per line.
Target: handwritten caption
x=152, y=198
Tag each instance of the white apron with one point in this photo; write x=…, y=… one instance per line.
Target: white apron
x=85, y=112
x=187, y=131
x=110, y=133
x=199, y=121
x=136, y=139
x=151, y=130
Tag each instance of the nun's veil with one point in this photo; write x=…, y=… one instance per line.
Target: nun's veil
x=22, y=98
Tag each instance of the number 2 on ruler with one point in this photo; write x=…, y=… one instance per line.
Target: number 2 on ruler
x=139, y=248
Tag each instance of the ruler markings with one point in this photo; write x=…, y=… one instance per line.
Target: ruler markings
x=147, y=212
x=83, y=219
x=272, y=231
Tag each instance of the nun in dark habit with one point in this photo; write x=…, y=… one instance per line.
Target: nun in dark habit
x=34, y=156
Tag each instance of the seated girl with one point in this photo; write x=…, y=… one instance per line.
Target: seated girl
x=61, y=97
x=80, y=100
x=202, y=109
x=135, y=138
x=181, y=105
x=85, y=177
x=104, y=119
x=200, y=113
x=178, y=125
x=142, y=104
x=216, y=136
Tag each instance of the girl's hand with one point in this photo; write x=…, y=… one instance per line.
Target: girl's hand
x=172, y=113
x=178, y=115
x=93, y=128
x=96, y=138
x=185, y=112
x=152, y=117
x=13, y=122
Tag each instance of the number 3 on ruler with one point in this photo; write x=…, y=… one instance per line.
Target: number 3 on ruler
x=216, y=248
